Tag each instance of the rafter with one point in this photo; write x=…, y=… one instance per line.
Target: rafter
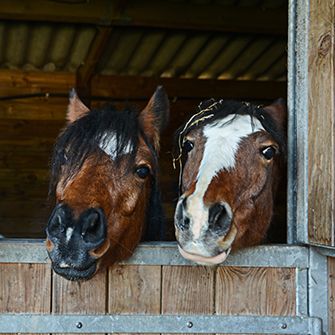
x=156, y=14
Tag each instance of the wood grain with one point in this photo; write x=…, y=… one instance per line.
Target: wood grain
x=255, y=291
x=259, y=291
x=84, y=297
x=134, y=289
x=321, y=123
x=187, y=290
x=25, y=288
x=331, y=294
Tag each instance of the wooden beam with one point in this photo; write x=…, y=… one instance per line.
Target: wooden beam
x=136, y=87
x=148, y=13
x=125, y=87
x=87, y=69
x=91, y=12
x=213, y=17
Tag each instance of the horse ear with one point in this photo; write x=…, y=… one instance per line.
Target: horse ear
x=154, y=117
x=76, y=108
x=278, y=111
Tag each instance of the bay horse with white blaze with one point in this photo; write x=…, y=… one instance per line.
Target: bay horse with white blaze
x=230, y=156
x=104, y=179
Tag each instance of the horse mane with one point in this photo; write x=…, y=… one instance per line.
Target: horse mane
x=80, y=140
x=213, y=110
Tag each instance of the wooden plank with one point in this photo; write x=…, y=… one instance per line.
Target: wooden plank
x=213, y=17
x=331, y=294
x=162, y=14
x=258, y=291
x=23, y=227
x=139, y=87
x=321, y=123
x=97, y=12
x=34, y=109
x=29, y=129
x=187, y=290
x=87, y=69
x=41, y=81
x=136, y=87
x=134, y=289
x=83, y=297
x=25, y=288
x=24, y=185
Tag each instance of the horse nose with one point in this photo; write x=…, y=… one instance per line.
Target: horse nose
x=218, y=219
x=57, y=221
x=182, y=221
x=89, y=230
x=93, y=228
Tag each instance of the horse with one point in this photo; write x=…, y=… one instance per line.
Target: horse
x=231, y=155
x=104, y=173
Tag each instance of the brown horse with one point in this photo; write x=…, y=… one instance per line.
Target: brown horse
x=230, y=155
x=104, y=178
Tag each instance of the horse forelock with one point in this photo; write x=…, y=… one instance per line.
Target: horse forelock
x=115, y=133
x=219, y=112
x=210, y=111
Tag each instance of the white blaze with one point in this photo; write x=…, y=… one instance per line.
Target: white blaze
x=222, y=142
x=109, y=144
x=69, y=232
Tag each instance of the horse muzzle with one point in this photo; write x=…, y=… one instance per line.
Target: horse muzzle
x=74, y=244
x=205, y=237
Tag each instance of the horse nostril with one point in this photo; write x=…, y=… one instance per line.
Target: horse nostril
x=185, y=223
x=93, y=227
x=218, y=218
x=214, y=212
x=57, y=221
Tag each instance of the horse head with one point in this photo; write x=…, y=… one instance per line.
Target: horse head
x=104, y=179
x=230, y=155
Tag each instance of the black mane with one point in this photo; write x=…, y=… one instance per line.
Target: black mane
x=81, y=139
x=212, y=110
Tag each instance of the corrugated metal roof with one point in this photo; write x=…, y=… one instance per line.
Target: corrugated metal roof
x=148, y=51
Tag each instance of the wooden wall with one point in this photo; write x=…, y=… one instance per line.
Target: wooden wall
x=133, y=289
x=321, y=168
x=29, y=127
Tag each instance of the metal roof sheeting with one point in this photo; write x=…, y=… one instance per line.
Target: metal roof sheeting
x=156, y=52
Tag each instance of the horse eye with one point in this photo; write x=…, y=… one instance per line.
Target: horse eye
x=188, y=146
x=142, y=171
x=268, y=152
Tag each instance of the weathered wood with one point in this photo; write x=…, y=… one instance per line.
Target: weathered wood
x=83, y=297
x=331, y=294
x=321, y=123
x=25, y=288
x=134, y=289
x=187, y=290
x=259, y=291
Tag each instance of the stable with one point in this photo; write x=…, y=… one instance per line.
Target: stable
x=119, y=52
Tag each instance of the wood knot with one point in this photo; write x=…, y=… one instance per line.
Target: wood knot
x=325, y=43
